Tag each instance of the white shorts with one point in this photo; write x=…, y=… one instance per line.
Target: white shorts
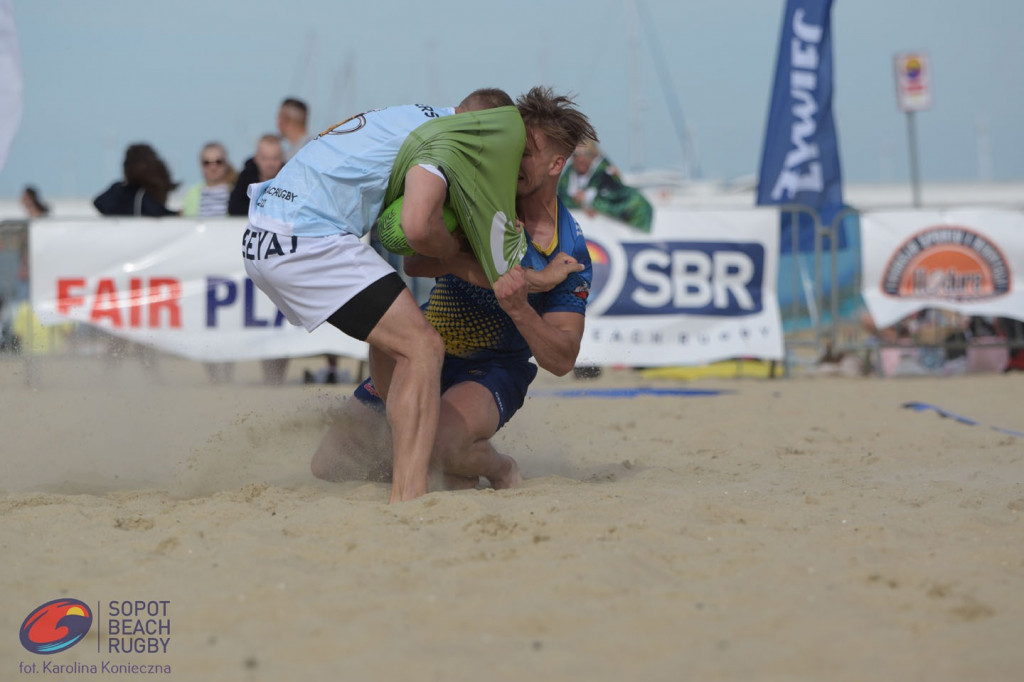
x=309, y=278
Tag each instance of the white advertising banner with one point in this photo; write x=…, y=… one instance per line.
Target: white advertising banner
x=176, y=284
x=700, y=287
x=967, y=260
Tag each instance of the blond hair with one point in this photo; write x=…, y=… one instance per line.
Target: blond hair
x=557, y=117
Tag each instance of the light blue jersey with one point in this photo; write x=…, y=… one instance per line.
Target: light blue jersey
x=336, y=182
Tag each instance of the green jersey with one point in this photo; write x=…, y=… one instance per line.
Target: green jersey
x=479, y=152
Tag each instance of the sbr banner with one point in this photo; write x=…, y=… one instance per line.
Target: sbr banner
x=699, y=288
x=969, y=260
x=177, y=285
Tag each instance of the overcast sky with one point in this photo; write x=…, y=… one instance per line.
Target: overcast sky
x=102, y=74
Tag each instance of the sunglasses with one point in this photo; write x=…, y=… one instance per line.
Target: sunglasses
x=213, y=162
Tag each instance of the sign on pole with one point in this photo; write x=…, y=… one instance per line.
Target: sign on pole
x=913, y=86
x=913, y=94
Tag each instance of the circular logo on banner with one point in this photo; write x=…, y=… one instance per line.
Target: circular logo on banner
x=608, y=264
x=947, y=263
x=55, y=626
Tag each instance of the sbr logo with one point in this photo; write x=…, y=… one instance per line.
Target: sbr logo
x=55, y=626
x=665, y=278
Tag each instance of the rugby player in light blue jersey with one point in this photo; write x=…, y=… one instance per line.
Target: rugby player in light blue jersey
x=302, y=248
x=490, y=334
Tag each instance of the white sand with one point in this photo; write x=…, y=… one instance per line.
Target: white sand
x=802, y=529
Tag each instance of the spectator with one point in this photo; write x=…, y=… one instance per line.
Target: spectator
x=209, y=198
x=291, y=123
x=592, y=183
x=1013, y=330
x=33, y=204
x=144, y=189
x=264, y=165
x=930, y=341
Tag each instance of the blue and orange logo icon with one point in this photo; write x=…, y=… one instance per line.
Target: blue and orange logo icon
x=55, y=626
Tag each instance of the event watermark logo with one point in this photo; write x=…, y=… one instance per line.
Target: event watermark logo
x=122, y=627
x=55, y=626
x=947, y=263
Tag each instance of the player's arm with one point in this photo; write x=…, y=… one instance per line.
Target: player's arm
x=554, y=338
x=422, y=214
x=463, y=265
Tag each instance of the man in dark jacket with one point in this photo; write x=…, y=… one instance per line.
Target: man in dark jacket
x=264, y=165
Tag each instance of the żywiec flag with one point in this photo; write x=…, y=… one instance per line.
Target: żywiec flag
x=10, y=79
x=800, y=160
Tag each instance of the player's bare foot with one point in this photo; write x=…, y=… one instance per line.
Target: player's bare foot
x=509, y=476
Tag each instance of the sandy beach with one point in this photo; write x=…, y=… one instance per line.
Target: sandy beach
x=809, y=528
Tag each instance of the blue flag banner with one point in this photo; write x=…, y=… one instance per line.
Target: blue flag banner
x=800, y=160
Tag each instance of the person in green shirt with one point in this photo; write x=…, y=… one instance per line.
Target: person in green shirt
x=592, y=183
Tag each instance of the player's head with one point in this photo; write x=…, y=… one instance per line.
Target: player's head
x=557, y=117
x=554, y=128
x=485, y=98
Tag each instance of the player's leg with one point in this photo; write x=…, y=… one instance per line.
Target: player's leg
x=406, y=355
x=409, y=377
x=308, y=281
x=469, y=418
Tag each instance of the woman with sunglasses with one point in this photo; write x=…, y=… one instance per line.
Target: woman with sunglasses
x=209, y=198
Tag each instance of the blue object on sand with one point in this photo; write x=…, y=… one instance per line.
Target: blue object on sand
x=921, y=407
x=627, y=392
